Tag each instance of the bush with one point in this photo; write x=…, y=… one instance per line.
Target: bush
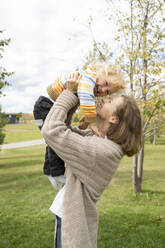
x=3, y=122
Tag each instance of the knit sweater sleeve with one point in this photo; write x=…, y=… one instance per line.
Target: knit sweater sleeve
x=76, y=150
x=87, y=132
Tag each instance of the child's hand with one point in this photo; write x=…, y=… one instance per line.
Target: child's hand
x=83, y=124
x=73, y=81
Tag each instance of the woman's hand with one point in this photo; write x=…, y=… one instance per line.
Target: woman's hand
x=73, y=81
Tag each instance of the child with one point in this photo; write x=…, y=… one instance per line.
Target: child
x=98, y=79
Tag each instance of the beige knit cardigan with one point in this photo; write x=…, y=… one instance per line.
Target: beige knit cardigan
x=91, y=162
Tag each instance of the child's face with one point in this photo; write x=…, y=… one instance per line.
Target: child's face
x=104, y=87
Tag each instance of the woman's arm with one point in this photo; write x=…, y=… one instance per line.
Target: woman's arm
x=70, y=146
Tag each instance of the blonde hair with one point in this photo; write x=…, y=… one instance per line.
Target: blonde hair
x=110, y=72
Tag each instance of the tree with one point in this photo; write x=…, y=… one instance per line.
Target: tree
x=142, y=39
x=3, y=82
x=141, y=43
x=3, y=71
x=3, y=121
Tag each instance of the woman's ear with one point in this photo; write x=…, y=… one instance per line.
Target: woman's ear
x=114, y=119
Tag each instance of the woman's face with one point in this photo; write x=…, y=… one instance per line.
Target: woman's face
x=107, y=108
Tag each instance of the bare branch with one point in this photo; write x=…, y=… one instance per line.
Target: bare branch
x=149, y=136
x=119, y=20
x=151, y=130
x=154, y=13
x=141, y=5
x=95, y=42
x=146, y=124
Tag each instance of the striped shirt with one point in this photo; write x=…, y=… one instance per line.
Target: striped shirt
x=85, y=92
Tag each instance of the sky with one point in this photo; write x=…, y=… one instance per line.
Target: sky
x=48, y=38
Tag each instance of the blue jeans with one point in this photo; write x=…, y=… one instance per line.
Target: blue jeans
x=58, y=233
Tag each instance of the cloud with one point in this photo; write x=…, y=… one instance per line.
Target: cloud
x=48, y=38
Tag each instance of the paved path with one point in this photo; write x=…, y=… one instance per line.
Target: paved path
x=23, y=144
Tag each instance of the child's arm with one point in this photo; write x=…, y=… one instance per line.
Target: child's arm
x=55, y=89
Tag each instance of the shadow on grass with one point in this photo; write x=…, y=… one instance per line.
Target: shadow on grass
x=35, y=159
x=158, y=143
x=128, y=230
x=20, y=180
x=152, y=174
x=126, y=175
x=20, y=156
x=153, y=192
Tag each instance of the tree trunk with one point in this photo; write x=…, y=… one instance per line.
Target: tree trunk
x=154, y=140
x=138, y=160
x=140, y=165
x=138, y=171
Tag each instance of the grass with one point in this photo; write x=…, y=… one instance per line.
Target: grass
x=21, y=132
x=24, y=132
x=135, y=220
x=29, y=126
x=126, y=220
x=159, y=141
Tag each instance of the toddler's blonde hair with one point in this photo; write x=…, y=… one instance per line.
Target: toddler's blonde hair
x=109, y=71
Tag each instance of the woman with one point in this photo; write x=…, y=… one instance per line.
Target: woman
x=91, y=160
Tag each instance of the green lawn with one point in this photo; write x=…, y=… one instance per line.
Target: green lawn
x=24, y=132
x=159, y=141
x=29, y=126
x=21, y=132
x=126, y=220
